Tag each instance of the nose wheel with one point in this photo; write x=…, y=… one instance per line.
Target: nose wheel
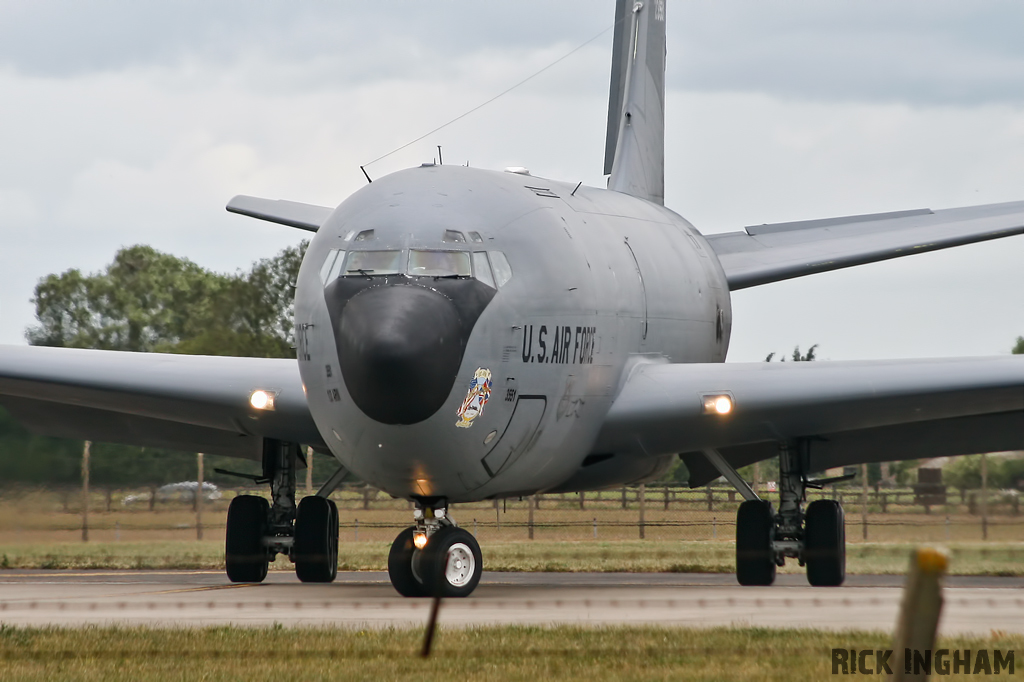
x=435, y=558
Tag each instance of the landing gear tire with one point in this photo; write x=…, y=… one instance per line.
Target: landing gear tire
x=400, y=565
x=755, y=560
x=315, y=551
x=825, y=543
x=451, y=563
x=245, y=556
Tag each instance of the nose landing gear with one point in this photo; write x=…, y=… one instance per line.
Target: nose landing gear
x=434, y=557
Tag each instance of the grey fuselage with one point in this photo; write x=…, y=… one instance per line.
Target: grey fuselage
x=397, y=367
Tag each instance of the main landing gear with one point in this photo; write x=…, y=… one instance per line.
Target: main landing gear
x=765, y=538
x=434, y=557
x=257, y=530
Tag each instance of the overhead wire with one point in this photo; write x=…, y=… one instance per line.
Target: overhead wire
x=491, y=100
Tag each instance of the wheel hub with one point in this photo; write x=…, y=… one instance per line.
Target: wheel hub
x=460, y=566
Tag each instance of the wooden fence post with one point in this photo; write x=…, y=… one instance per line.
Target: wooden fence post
x=583, y=500
x=864, y=500
x=531, y=503
x=641, y=493
x=85, y=491
x=199, y=496
x=624, y=503
x=984, y=497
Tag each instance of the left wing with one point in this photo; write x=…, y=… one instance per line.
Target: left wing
x=853, y=412
x=183, y=402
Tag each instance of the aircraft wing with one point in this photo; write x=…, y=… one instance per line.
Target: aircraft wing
x=852, y=412
x=182, y=402
x=290, y=213
x=768, y=253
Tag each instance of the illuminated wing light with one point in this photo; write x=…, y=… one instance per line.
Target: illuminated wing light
x=718, y=404
x=262, y=400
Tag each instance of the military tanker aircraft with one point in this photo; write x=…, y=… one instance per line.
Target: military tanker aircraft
x=466, y=334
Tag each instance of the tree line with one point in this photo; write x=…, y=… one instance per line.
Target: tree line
x=149, y=301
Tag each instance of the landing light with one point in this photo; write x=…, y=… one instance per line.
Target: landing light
x=262, y=400
x=718, y=404
x=419, y=538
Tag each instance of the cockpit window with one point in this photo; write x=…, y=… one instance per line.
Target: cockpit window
x=502, y=270
x=439, y=264
x=481, y=270
x=475, y=236
x=365, y=236
x=454, y=236
x=331, y=268
x=373, y=263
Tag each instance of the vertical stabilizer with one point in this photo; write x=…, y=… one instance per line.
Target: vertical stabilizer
x=635, y=146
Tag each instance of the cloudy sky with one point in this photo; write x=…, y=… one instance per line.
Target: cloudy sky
x=125, y=122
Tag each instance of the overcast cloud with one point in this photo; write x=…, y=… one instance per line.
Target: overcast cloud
x=129, y=123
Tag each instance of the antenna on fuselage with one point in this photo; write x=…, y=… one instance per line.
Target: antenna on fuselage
x=440, y=161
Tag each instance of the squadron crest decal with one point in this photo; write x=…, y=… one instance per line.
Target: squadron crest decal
x=478, y=395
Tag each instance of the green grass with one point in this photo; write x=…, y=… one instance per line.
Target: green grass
x=487, y=653
x=657, y=556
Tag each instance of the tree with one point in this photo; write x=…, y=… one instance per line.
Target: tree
x=1019, y=348
x=809, y=356
x=145, y=300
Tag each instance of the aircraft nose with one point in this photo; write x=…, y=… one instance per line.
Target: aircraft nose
x=400, y=351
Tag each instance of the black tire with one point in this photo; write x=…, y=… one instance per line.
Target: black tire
x=315, y=551
x=451, y=564
x=755, y=560
x=825, y=543
x=400, y=559
x=245, y=556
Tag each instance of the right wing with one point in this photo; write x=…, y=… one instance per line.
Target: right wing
x=181, y=402
x=290, y=213
x=762, y=254
x=849, y=412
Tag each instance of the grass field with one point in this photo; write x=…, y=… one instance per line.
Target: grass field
x=490, y=653
x=539, y=555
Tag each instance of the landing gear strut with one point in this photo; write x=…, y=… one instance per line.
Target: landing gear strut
x=434, y=557
x=816, y=538
x=257, y=531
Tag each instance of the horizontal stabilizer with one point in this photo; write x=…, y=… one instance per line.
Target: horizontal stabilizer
x=763, y=254
x=290, y=213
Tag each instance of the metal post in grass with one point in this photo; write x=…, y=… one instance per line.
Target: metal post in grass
x=864, y=500
x=583, y=500
x=428, y=636
x=918, y=620
x=984, y=497
x=642, y=497
x=85, y=490
x=625, y=504
x=531, y=502
x=595, y=528
x=199, y=496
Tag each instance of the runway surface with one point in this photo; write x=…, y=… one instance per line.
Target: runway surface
x=188, y=598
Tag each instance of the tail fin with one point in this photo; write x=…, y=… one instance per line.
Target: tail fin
x=634, y=155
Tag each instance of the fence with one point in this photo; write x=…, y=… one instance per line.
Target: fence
x=657, y=512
